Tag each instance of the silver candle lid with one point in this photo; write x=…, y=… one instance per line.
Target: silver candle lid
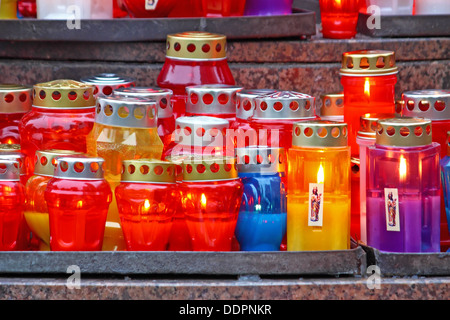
x=284, y=105
x=433, y=104
x=15, y=98
x=201, y=131
x=260, y=159
x=245, y=104
x=105, y=83
x=162, y=97
x=9, y=170
x=211, y=99
x=123, y=111
x=79, y=168
x=17, y=157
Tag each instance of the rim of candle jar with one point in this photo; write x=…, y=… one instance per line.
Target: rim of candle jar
x=320, y=133
x=368, y=63
x=79, y=168
x=448, y=143
x=6, y=147
x=209, y=168
x=125, y=111
x=45, y=161
x=63, y=94
x=148, y=171
x=9, y=170
x=432, y=104
x=284, y=105
x=201, y=131
x=368, y=124
x=196, y=45
x=15, y=98
x=260, y=159
x=332, y=104
x=245, y=101
x=215, y=99
x=20, y=158
x=105, y=83
x=162, y=96
x=404, y=132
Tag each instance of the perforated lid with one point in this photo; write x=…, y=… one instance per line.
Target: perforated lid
x=245, y=104
x=196, y=45
x=124, y=111
x=284, y=105
x=9, y=170
x=332, y=104
x=369, y=124
x=46, y=160
x=63, y=94
x=18, y=157
x=162, y=96
x=320, y=133
x=404, y=132
x=209, y=169
x=260, y=159
x=6, y=147
x=148, y=170
x=79, y=168
x=368, y=63
x=211, y=99
x=432, y=104
x=105, y=83
x=15, y=98
x=201, y=131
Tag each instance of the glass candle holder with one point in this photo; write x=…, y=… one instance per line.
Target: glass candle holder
x=15, y=101
x=149, y=9
x=105, y=83
x=200, y=135
x=445, y=177
x=8, y=9
x=163, y=98
x=267, y=7
x=147, y=198
x=12, y=202
x=331, y=107
x=36, y=212
x=403, y=187
x=368, y=78
x=61, y=117
x=318, y=200
x=339, y=18
x=365, y=137
x=125, y=128
x=393, y=7
x=261, y=223
x=193, y=58
x=211, y=193
x=213, y=100
x=221, y=8
x=275, y=114
x=78, y=199
x=431, y=7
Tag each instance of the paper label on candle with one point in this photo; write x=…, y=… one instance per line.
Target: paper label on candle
x=392, y=210
x=315, y=207
x=151, y=4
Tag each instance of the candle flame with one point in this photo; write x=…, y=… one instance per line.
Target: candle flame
x=337, y=3
x=367, y=88
x=320, y=174
x=146, y=204
x=402, y=169
x=9, y=141
x=203, y=201
x=79, y=204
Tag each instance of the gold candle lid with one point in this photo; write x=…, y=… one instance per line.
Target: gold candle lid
x=368, y=63
x=196, y=45
x=6, y=147
x=320, y=133
x=369, y=123
x=432, y=104
x=332, y=104
x=64, y=94
x=404, y=132
x=9, y=170
x=260, y=159
x=79, y=167
x=46, y=160
x=211, y=99
x=15, y=98
x=148, y=170
x=105, y=83
x=284, y=105
x=209, y=169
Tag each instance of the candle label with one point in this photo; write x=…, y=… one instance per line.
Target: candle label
x=315, y=216
x=392, y=210
x=151, y=4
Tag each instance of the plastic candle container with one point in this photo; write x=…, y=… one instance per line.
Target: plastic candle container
x=124, y=129
x=211, y=193
x=267, y=7
x=36, y=212
x=368, y=78
x=261, y=223
x=339, y=18
x=214, y=100
x=365, y=137
x=200, y=135
x=222, y=8
x=355, y=221
x=12, y=202
x=318, y=199
x=332, y=107
x=163, y=99
x=8, y=9
x=393, y=7
x=61, y=117
x=149, y=9
x=77, y=198
x=15, y=101
x=431, y=7
x=147, y=198
x=445, y=176
x=275, y=114
x=193, y=58
x=403, y=187
x=65, y=9
x=105, y=83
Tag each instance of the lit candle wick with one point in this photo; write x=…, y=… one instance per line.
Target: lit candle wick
x=320, y=174
x=367, y=88
x=402, y=169
x=203, y=201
